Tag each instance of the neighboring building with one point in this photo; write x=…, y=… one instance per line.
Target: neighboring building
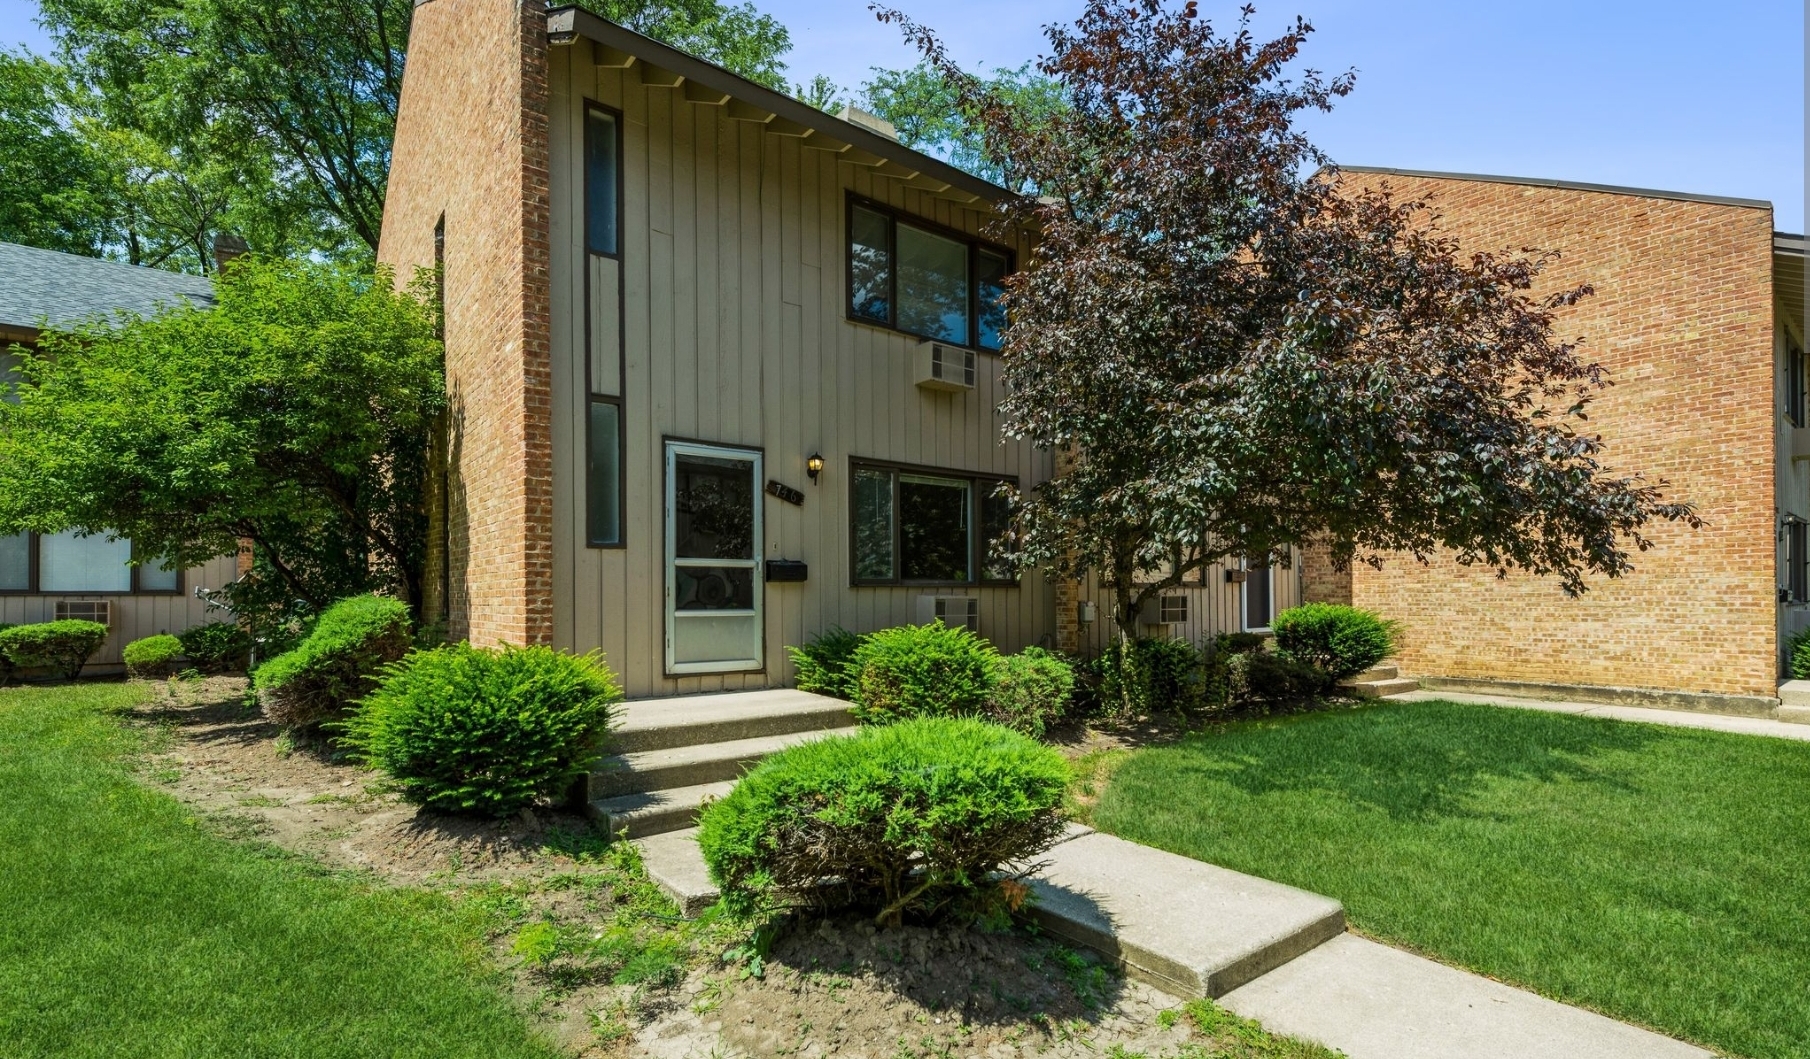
x=44, y=577
x=1698, y=316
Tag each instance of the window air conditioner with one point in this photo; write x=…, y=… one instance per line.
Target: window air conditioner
x=944, y=367
x=1164, y=610
x=100, y=610
x=953, y=610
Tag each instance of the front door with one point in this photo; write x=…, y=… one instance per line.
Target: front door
x=713, y=555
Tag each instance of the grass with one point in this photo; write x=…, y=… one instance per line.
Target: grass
x=130, y=928
x=1659, y=875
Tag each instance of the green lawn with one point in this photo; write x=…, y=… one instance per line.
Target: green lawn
x=1660, y=875
x=127, y=929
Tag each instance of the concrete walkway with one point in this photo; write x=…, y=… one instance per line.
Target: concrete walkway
x=1675, y=718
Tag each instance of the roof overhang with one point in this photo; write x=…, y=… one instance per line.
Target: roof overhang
x=706, y=84
x=1569, y=185
x=11, y=333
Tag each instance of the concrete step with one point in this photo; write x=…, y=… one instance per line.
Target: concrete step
x=674, y=864
x=1794, y=714
x=1192, y=928
x=1794, y=693
x=692, y=720
x=1382, y=672
x=655, y=812
x=689, y=766
x=1378, y=689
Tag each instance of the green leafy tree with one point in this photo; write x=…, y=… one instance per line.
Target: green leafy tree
x=737, y=37
x=294, y=413
x=928, y=109
x=53, y=192
x=1245, y=355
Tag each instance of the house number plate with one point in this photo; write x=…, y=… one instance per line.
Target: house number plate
x=785, y=492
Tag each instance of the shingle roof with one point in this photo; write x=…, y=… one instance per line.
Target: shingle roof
x=39, y=286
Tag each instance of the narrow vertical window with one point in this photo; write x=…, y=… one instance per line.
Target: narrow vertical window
x=1797, y=560
x=989, y=287
x=873, y=525
x=602, y=182
x=440, y=277
x=603, y=480
x=1795, y=384
x=15, y=563
x=870, y=265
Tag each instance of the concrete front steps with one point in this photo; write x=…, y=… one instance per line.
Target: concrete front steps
x=1379, y=682
x=674, y=755
x=1794, y=702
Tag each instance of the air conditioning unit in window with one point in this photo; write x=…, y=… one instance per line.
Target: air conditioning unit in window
x=1164, y=610
x=100, y=610
x=944, y=367
x=953, y=610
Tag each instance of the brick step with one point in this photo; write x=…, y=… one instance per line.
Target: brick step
x=694, y=720
x=656, y=812
x=689, y=766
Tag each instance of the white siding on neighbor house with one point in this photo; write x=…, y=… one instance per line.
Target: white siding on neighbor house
x=735, y=333
x=134, y=617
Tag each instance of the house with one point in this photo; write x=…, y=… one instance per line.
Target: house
x=1698, y=314
x=719, y=363
x=46, y=577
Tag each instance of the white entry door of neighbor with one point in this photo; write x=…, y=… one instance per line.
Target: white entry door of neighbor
x=713, y=559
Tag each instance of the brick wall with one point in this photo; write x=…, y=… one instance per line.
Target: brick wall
x=472, y=145
x=1320, y=583
x=1682, y=318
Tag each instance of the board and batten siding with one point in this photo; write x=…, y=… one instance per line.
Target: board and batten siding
x=1215, y=606
x=733, y=331
x=134, y=617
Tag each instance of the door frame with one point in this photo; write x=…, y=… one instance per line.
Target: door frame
x=672, y=449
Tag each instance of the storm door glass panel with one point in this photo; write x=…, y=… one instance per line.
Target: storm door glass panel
x=68, y=562
x=713, y=559
x=15, y=563
x=873, y=525
x=990, y=286
x=601, y=174
x=154, y=576
x=1259, y=601
x=870, y=266
x=934, y=544
x=933, y=285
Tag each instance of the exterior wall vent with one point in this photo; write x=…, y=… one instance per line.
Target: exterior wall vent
x=963, y=611
x=944, y=367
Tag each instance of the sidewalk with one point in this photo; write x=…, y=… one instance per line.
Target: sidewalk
x=1674, y=718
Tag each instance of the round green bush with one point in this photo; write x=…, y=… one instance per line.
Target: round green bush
x=62, y=646
x=1338, y=640
x=217, y=647
x=1030, y=690
x=1139, y=678
x=464, y=729
x=921, y=671
x=825, y=664
x=906, y=818
x=152, y=657
x=336, y=663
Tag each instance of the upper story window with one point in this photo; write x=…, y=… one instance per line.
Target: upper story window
x=70, y=563
x=602, y=181
x=928, y=281
x=1794, y=383
x=927, y=527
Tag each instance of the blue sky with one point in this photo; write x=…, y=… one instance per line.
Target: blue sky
x=1698, y=97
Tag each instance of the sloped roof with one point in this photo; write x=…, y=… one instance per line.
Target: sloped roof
x=1573, y=185
x=44, y=286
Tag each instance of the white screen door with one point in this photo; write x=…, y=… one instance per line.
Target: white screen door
x=713, y=559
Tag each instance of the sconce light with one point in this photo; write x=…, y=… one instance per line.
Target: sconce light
x=813, y=466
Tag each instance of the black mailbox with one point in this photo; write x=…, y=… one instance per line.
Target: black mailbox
x=786, y=570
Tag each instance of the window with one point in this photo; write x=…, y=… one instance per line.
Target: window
x=1795, y=383
x=603, y=473
x=51, y=564
x=1259, y=597
x=915, y=277
x=602, y=177
x=910, y=526
x=1797, y=561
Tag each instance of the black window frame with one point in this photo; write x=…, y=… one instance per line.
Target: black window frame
x=980, y=483
x=1797, y=561
x=1796, y=383
x=34, y=582
x=592, y=538
x=894, y=217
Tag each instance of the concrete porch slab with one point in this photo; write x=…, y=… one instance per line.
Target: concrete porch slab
x=1374, y=1002
x=1192, y=928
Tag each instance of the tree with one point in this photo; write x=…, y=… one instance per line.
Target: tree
x=294, y=413
x=736, y=37
x=56, y=195
x=927, y=109
x=1244, y=355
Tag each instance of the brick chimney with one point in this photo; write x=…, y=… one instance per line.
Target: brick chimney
x=226, y=247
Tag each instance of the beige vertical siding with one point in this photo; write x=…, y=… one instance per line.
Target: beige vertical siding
x=734, y=332
x=134, y=617
x=1215, y=606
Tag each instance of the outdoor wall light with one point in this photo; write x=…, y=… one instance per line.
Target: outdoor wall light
x=813, y=466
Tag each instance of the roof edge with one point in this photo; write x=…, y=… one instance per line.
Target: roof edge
x=1786, y=243
x=1569, y=185
x=567, y=22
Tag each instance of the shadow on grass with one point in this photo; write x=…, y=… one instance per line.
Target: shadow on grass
x=1412, y=761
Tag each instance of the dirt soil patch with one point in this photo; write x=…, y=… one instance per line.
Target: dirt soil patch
x=601, y=959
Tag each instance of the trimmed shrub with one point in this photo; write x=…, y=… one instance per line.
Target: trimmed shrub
x=1266, y=680
x=465, y=729
x=908, y=818
x=217, y=647
x=1237, y=643
x=1798, y=650
x=61, y=646
x=930, y=670
x=1339, y=641
x=337, y=663
x=6, y=664
x=1030, y=690
x=152, y=657
x=1142, y=677
x=825, y=664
